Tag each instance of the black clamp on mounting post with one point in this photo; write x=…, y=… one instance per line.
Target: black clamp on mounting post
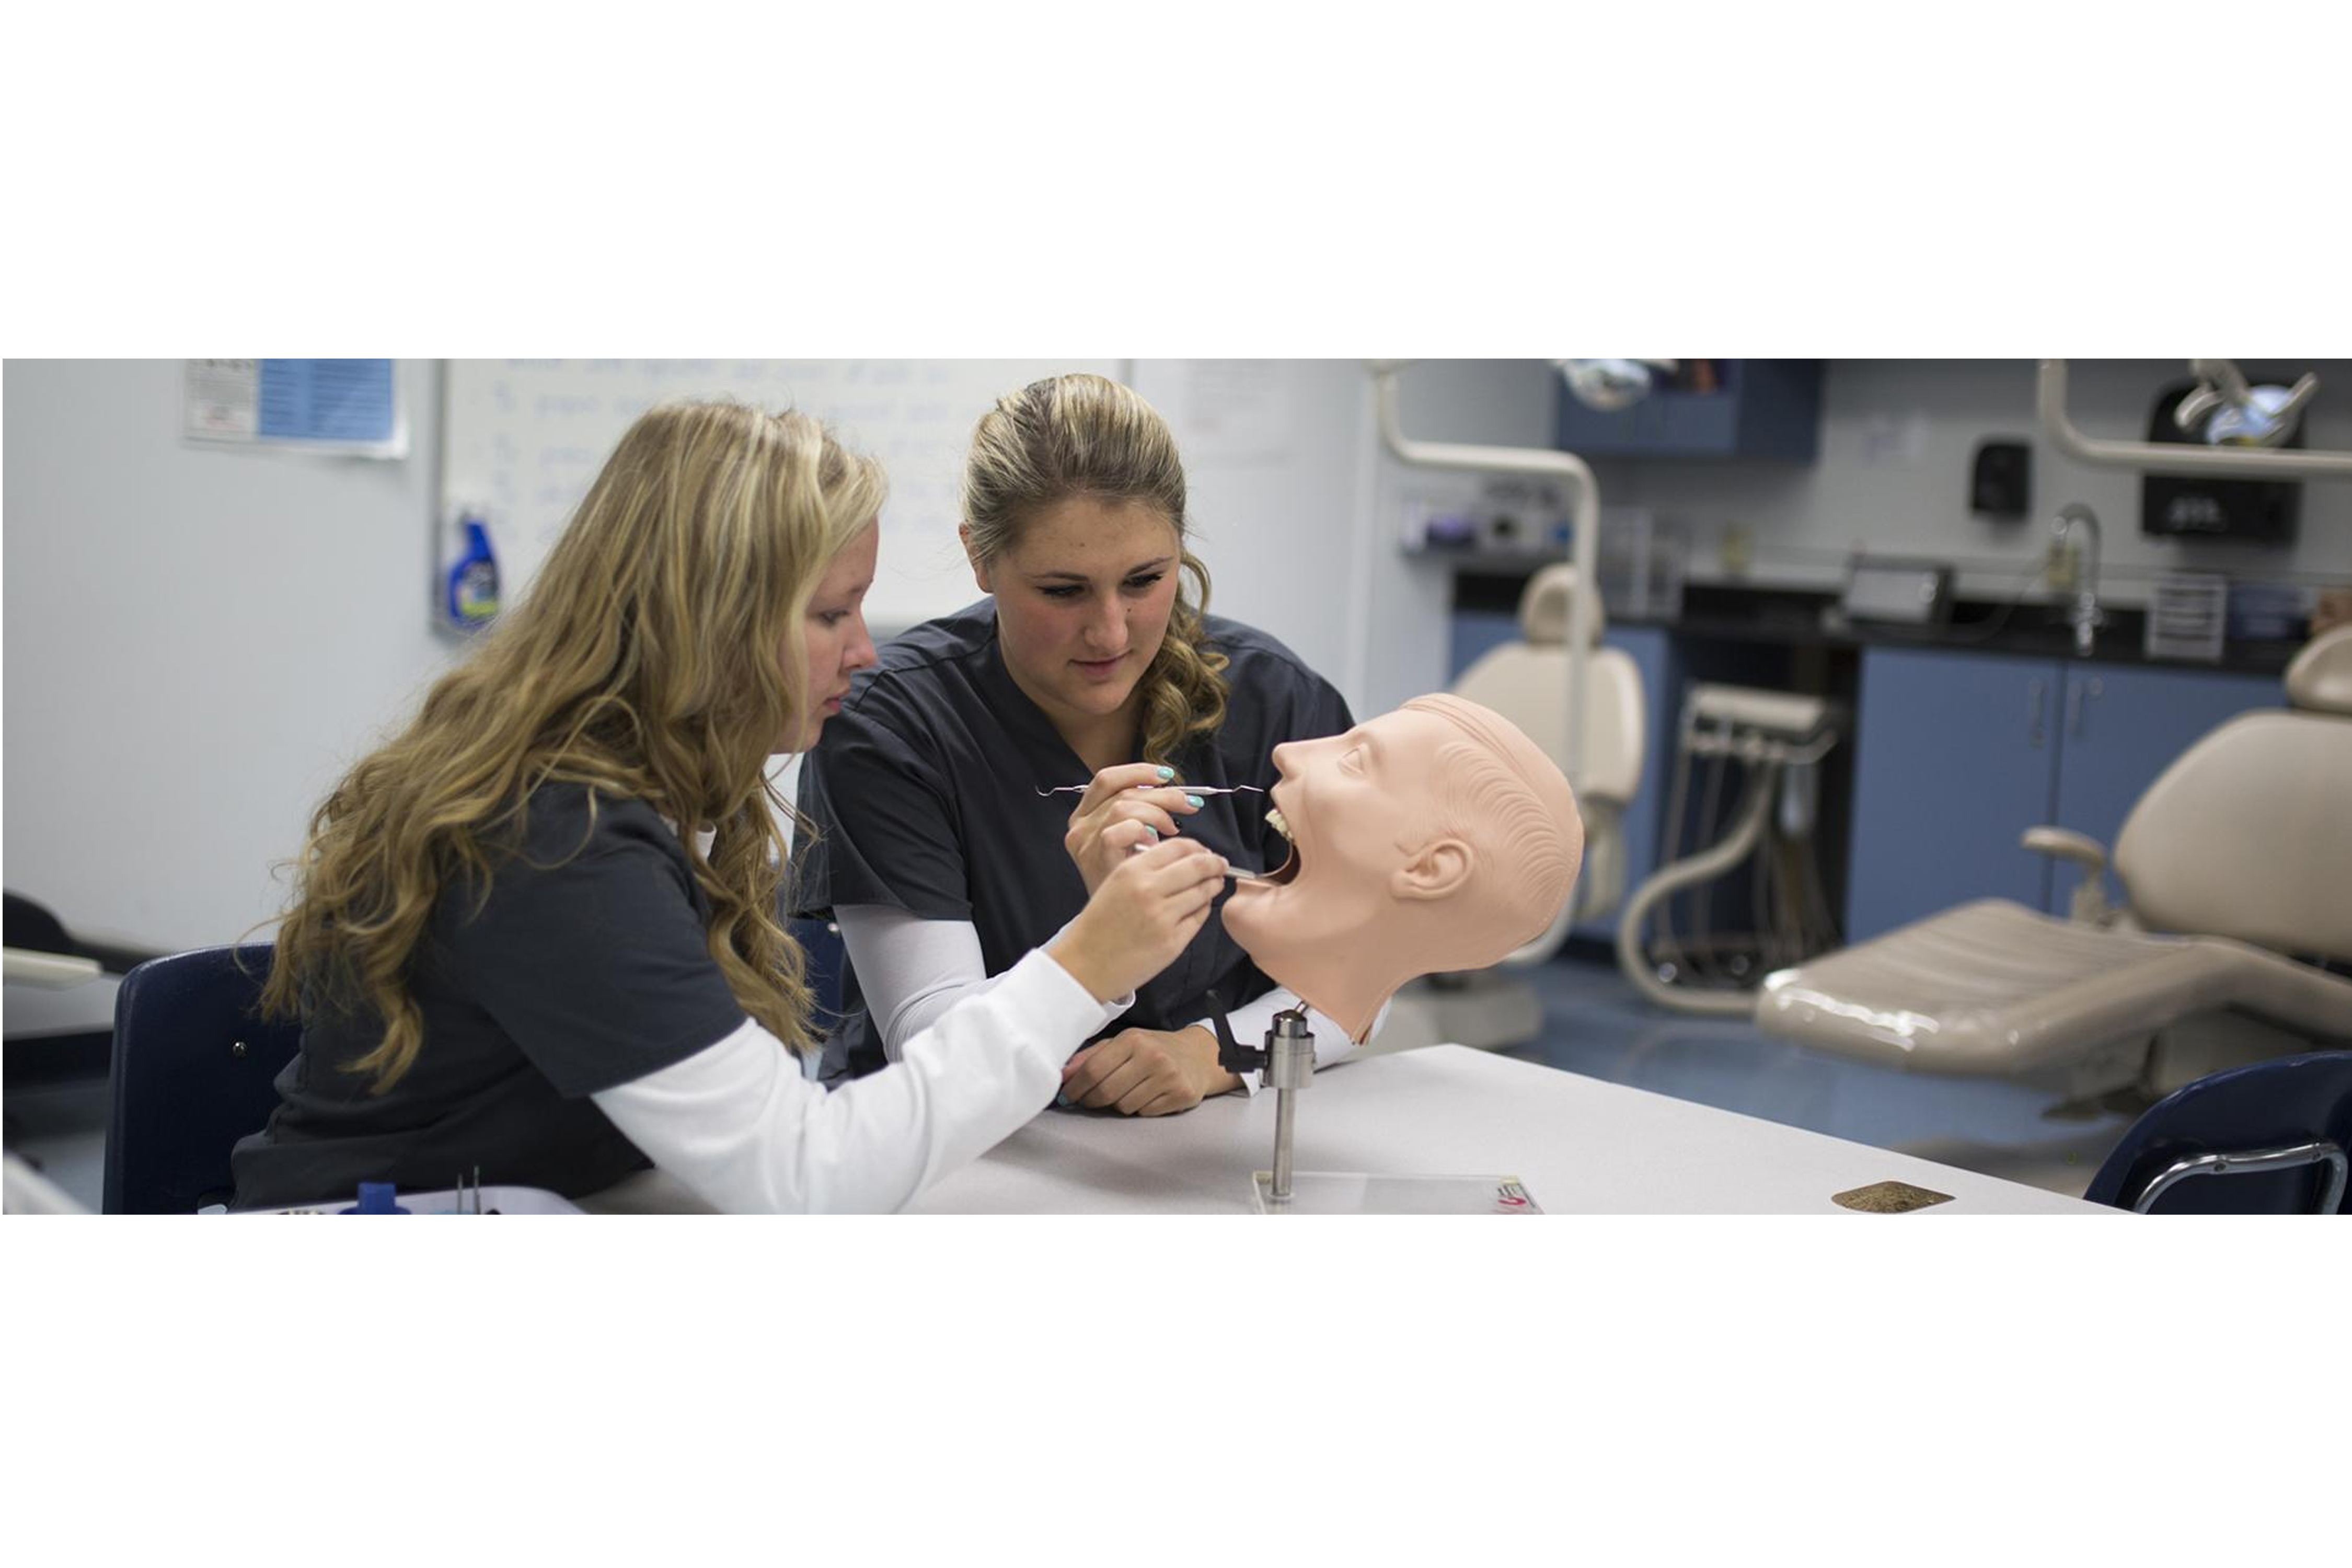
x=1231, y=1054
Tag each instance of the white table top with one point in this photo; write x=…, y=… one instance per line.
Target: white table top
x=1582, y=1146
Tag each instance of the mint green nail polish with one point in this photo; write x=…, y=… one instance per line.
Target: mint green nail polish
x=1167, y=773
x=1192, y=800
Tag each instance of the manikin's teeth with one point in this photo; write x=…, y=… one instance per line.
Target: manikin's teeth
x=1274, y=819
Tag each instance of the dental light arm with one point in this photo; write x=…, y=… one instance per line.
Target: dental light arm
x=1584, y=544
x=2221, y=392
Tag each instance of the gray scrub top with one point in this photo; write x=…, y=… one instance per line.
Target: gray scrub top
x=586, y=964
x=923, y=792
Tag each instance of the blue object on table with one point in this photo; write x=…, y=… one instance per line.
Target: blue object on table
x=375, y=1197
x=194, y=1070
x=2200, y=1148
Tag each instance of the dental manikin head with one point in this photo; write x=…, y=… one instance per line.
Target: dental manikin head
x=1437, y=838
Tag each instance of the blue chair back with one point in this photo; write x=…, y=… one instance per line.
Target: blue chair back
x=821, y=940
x=193, y=1072
x=2276, y=1104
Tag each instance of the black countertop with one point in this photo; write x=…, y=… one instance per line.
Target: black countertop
x=2028, y=630
x=1789, y=617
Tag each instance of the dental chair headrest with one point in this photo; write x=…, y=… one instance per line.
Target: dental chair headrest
x=1543, y=607
x=2320, y=679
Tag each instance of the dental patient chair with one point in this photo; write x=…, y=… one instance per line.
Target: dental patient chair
x=1526, y=683
x=2235, y=865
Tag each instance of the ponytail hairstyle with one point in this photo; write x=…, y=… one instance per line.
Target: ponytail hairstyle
x=1084, y=436
x=644, y=662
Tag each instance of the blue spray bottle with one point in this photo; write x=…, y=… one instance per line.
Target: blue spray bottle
x=474, y=579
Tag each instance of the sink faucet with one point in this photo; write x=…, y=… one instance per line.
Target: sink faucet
x=2085, y=617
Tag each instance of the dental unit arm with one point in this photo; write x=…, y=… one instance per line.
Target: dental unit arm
x=1584, y=538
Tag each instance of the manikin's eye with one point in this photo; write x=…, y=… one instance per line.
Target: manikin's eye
x=1352, y=760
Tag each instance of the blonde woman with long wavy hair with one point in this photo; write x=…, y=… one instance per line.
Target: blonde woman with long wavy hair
x=536, y=932
x=998, y=764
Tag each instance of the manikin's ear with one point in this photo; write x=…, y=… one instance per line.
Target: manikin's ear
x=1436, y=871
x=979, y=567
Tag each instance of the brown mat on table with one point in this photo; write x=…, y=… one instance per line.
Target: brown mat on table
x=1889, y=1197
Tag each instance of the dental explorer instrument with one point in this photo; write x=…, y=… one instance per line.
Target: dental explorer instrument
x=1188, y=789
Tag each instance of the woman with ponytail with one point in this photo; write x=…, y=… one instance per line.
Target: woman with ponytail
x=535, y=933
x=1092, y=663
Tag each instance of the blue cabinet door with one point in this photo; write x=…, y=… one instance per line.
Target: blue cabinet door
x=1956, y=755
x=1764, y=408
x=1471, y=636
x=2123, y=725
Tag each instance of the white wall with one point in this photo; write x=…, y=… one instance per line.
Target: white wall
x=199, y=638
x=1892, y=477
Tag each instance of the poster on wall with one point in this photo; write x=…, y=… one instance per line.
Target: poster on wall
x=345, y=406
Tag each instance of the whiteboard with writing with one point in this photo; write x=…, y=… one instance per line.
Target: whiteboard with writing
x=522, y=440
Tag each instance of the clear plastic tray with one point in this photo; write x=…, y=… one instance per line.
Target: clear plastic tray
x=1361, y=1191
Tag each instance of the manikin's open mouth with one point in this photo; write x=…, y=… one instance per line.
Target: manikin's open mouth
x=1287, y=872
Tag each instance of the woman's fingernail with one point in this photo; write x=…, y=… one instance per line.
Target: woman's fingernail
x=1192, y=800
x=1167, y=773
x=1153, y=831
x=1062, y=1098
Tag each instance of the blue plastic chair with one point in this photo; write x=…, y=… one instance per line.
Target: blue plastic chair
x=193, y=1072
x=2277, y=1135
x=821, y=940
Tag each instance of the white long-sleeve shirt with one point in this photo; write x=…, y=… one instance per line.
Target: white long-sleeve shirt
x=741, y=1126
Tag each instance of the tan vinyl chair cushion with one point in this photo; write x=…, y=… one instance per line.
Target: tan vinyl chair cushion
x=1543, y=607
x=1994, y=988
x=2249, y=834
x=2320, y=679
